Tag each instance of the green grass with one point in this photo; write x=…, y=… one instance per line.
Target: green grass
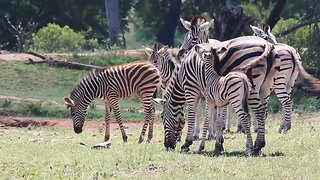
x=50, y=153
x=37, y=81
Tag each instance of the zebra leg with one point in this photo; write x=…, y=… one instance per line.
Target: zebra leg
x=116, y=109
x=192, y=105
x=205, y=127
x=197, y=122
x=212, y=114
x=218, y=125
x=286, y=103
x=228, y=120
x=150, y=132
x=148, y=117
x=260, y=115
x=107, y=121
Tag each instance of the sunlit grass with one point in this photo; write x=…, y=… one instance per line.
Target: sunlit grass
x=50, y=153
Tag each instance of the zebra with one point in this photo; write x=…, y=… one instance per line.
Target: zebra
x=233, y=88
x=190, y=82
x=139, y=78
x=285, y=74
x=166, y=64
x=197, y=27
x=198, y=30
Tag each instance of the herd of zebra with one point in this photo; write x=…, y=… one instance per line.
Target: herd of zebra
x=234, y=74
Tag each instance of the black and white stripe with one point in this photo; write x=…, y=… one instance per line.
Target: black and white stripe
x=233, y=88
x=113, y=83
x=285, y=74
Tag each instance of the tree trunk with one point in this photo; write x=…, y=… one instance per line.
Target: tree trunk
x=168, y=29
x=230, y=21
x=275, y=14
x=114, y=21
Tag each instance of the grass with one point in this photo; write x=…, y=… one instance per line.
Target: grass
x=50, y=153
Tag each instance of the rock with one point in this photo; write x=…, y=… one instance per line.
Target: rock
x=102, y=145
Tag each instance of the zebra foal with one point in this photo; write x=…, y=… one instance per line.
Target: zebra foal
x=233, y=88
x=112, y=83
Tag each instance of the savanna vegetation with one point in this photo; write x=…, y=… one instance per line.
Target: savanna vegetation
x=79, y=27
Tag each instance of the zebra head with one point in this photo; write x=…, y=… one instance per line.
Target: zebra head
x=198, y=30
x=78, y=115
x=170, y=123
x=264, y=31
x=158, y=52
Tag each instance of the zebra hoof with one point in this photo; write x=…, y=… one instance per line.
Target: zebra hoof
x=218, y=148
x=140, y=140
x=125, y=139
x=211, y=137
x=196, y=137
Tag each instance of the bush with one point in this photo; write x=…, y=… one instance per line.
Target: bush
x=299, y=39
x=54, y=38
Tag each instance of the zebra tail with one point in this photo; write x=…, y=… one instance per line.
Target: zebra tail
x=267, y=49
x=314, y=82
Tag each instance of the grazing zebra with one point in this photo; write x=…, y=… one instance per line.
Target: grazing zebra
x=166, y=64
x=139, y=78
x=285, y=74
x=191, y=83
x=233, y=88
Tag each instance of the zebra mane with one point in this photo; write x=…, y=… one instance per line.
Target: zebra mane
x=157, y=46
x=93, y=74
x=170, y=86
x=197, y=20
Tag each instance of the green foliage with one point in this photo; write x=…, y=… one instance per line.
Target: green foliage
x=300, y=39
x=54, y=38
x=108, y=60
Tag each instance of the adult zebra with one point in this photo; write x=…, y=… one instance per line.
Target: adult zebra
x=233, y=88
x=190, y=82
x=284, y=75
x=139, y=78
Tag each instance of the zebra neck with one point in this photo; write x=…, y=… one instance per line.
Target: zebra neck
x=209, y=71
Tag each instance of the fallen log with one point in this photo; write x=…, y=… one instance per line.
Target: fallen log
x=61, y=63
x=25, y=123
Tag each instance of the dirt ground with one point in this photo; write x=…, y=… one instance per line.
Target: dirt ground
x=64, y=123
x=8, y=56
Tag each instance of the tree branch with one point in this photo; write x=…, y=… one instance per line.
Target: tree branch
x=59, y=62
x=297, y=26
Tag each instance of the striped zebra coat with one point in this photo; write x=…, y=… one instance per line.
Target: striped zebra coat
x=285, y=74
x=191, y=83
x=166, y=64
x=111, y=84
x=233, y=88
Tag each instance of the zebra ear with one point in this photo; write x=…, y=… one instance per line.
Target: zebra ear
x=69, y=102
x=198, y=49
x=163, y=49
x=159, y=101
x=207, y=25
x=148, y=51
x=186, y=24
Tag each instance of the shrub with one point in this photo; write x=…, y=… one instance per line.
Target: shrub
x=299, y=39
x=54, y=38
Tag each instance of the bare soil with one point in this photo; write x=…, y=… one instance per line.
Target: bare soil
x=63, y=123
